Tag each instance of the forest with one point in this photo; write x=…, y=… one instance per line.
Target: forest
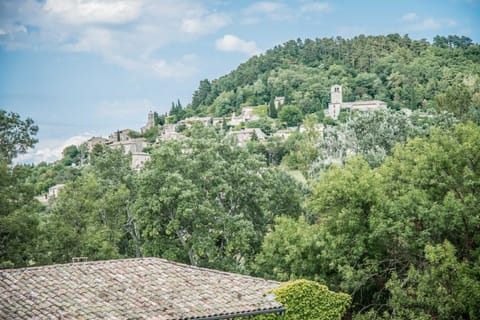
x=383, y=206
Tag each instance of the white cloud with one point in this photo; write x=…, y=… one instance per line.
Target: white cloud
x=182, y=68
x=204, y=25
x=315, y=7
x=409, y=16
x=91, y=11
x=51, y=150
x=128, y=33
x=91, y=40
x=233, y=43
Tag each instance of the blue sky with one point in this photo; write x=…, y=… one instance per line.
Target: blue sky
x=88, y=67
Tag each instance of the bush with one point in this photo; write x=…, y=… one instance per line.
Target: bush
x=309, y=300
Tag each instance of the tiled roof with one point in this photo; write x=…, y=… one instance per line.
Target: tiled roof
x=148, y=288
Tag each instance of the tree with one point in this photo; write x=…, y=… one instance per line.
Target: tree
x=291, y=115
x=71, y=155
x=92, y=217
x=200, y=95
x=376, y=224
x=456, y=99
x=272, y=110
x=16, y=135
x=19, y=220
x=207, y=202
x=290, y=251
x=441, y=288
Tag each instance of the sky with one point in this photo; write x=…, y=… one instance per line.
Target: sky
x=83, y=68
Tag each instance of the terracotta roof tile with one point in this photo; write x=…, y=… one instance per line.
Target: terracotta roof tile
x=148, y=288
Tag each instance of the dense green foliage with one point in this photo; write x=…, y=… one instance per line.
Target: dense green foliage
x=18, y=210
x=204, y=201
x=374, y=232
x=310, y=300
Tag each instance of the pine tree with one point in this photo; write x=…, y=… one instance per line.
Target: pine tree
x=272, y=111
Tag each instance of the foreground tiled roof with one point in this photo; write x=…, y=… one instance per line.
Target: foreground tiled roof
x=148, y=288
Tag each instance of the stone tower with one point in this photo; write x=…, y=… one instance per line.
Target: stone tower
x=336, y=94
x=150, y=122
x=151, y=119
x=335, y=101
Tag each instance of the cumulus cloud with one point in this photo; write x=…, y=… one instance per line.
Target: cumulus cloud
x=234, y=44
x=129, y=33
x=51, y=150
x=84, y=12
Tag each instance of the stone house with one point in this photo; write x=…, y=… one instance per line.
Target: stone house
x=246, y=115
x=278, y=101
x=96, y=140
x=53, y=191
x=131, y=145
x=285, y=133
x=170, y=135
x=245, y=135
x=139, y=159
x=120, y=135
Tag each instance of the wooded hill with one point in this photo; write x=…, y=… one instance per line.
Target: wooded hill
x=398, y=70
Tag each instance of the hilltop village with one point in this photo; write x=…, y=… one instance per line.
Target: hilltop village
x=245, y=126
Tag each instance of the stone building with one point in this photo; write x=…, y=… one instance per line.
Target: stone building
x=150, y=122
x=139, y=159
x=53, y=191
x=285, y=133
x=245, y=135
x=336, y=103
x=170, y=135
x=278, y=101
x=131, y=145
x=120, y=135
x=206, y=121
x=246, y=115
x=96, y=140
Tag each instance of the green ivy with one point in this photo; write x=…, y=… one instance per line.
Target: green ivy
x=309, y=300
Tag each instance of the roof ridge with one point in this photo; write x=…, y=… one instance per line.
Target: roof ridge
x=114, y=261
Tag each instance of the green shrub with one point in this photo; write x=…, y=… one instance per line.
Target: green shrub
x=309, y=300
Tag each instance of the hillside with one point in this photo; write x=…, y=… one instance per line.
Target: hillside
x=404, y=73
